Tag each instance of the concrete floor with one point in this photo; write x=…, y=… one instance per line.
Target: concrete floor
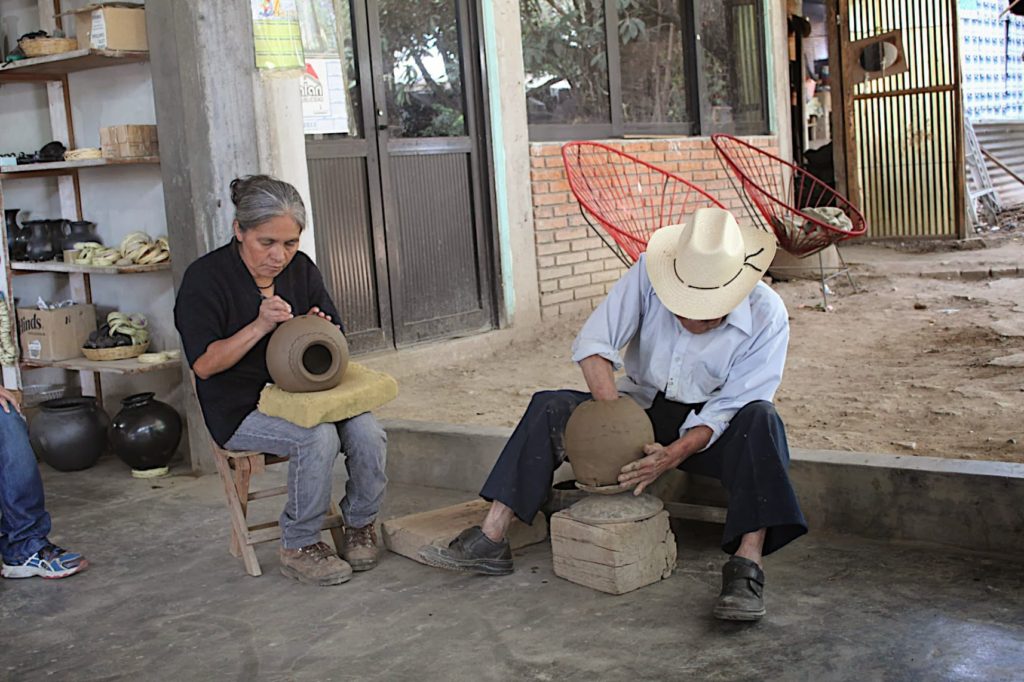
x=164, y=600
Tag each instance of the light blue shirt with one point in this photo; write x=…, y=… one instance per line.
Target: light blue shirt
x=734, y=364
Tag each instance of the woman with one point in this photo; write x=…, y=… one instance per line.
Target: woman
x=229, y=302
x=24, y=521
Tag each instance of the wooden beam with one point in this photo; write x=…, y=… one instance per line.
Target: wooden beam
x=991, y=157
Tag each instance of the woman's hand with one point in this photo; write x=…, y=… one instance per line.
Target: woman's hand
x=319, y=313
x=7, y=401
x=273, y=311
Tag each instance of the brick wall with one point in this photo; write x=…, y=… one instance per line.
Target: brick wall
x=574, y=268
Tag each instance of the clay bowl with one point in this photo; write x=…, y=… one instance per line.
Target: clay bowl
x=306, y=354
x=602, y=436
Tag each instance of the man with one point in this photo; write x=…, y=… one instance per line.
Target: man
x=705, y=347
x=24, y=522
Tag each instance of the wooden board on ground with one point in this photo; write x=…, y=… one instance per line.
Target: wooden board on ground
x=615, y=557
x=406, y=534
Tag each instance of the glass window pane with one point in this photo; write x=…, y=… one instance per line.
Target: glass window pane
x=566, y=61
x=732, y=45
x=654, y=83
x=422, y=68
x=330, y=86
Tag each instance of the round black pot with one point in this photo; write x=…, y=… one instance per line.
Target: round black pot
x=145, y=433
x=80, y=231
x=69, y=434
x=16, y=237
x=39, y=245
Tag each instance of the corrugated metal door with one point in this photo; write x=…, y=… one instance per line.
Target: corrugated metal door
x=904, y=136
x=400, y=200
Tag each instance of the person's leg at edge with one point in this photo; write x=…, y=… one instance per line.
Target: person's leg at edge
x=24, y=521
x=311, y=453
x=365, y=444
x=517, y=486
x=751, y=460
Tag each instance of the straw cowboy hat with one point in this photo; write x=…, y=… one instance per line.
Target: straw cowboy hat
x=703, y=268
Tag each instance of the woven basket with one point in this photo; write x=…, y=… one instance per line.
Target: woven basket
x=118, y=353
x=40, y=47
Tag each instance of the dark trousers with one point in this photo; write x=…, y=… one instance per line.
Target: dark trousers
x=751, y=460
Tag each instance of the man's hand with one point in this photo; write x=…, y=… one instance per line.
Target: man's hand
x=646, y=470
x=7, y=401
x=319, y=313
x=273, y=311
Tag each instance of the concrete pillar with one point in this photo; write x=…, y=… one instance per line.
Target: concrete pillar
x=202, y=61
x=510, y=142
x=778, y=75
x=281, y=141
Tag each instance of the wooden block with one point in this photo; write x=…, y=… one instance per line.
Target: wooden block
x=616, y=557
x=407, y=534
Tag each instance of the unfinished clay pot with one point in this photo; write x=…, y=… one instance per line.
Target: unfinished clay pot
x=602, y=436
x=306, y=354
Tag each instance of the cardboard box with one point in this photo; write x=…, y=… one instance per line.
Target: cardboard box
x=129, y=141
x=49, y=335
x=111, y=26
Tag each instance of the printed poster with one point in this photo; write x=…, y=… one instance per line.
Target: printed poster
x=324, y=107
x=277, y=34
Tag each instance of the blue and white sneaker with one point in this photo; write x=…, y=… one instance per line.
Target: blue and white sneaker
x=50, y=562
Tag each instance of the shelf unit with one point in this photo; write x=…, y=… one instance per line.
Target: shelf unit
x=52, y=71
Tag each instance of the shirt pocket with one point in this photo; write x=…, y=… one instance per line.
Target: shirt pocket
x=707, y=379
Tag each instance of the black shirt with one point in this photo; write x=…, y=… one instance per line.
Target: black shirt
x=218, y=297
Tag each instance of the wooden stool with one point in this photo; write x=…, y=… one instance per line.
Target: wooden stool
x=236, y=470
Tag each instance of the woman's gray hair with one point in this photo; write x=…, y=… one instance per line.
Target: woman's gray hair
x=259, y=198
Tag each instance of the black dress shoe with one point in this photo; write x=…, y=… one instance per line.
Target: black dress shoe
x=471, y=552
x=742, y=596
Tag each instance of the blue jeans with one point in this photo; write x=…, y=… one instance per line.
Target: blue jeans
x=312, y=453
x=24, y=522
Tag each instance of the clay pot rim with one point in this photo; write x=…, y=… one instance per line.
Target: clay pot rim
x=137, y=399
x=67, y=404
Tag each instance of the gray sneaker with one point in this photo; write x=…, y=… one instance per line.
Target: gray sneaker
x=471, y=552
x=315, y=564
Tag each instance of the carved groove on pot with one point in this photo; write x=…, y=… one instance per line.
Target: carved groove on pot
x=602, y=436
x=306, y=354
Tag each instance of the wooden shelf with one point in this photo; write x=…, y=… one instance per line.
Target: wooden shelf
x=56, y=66
x=60, y=266
x=35, y=170
x=82, y=364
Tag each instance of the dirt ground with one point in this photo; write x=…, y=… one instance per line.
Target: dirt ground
x=902, y=366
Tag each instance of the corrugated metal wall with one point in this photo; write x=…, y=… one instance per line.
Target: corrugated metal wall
x=906, y=125
x=1006, y=141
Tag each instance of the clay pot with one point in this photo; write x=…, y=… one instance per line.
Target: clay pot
x=80, y=231
x=39, y=245
x=307, y=353
x=145, y=433
x=602, y=436
x=59, y=228
x=16, y=238
x=69, y=434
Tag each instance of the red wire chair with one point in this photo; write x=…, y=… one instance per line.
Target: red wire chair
x=629, y=197
x=777, y=194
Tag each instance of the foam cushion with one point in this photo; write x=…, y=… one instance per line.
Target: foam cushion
x=360, y=391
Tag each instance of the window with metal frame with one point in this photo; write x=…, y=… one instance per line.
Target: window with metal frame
x=661, y=67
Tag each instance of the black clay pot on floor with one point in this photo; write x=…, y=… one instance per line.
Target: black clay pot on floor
x=69, y=434
x=145, y=433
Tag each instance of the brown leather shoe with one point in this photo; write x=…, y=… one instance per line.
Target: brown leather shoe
x=315, y=564
x=359, y=548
